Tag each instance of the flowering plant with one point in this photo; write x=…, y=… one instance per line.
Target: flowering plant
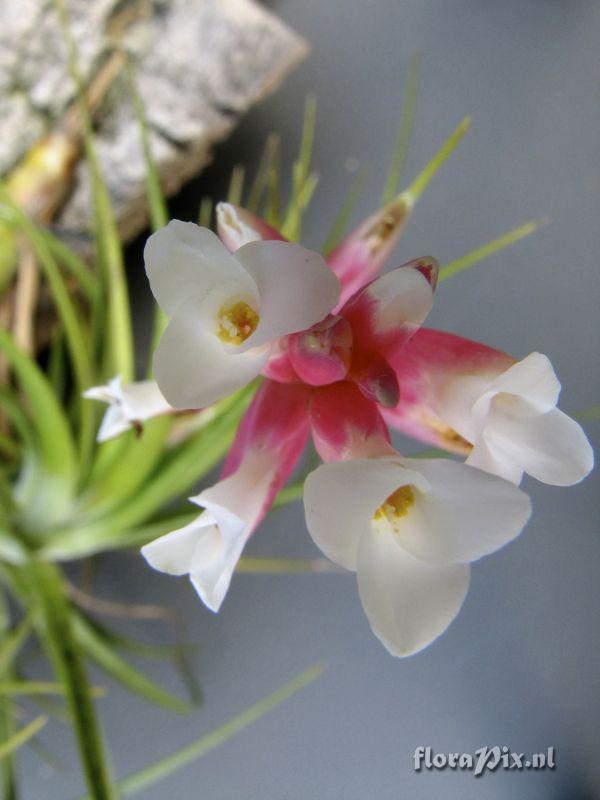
x=261, y=345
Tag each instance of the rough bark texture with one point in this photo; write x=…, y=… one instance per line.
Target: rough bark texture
x=200, y=65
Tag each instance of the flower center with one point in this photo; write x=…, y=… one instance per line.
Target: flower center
x=395, y=507
x=236, y=322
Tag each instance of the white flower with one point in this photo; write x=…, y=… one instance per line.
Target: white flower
x=514, y=425
x=227, y=311
x=128, y=405
x=409, y=528
x=209, y=548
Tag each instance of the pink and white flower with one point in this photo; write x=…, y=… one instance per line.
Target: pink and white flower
x=227, y=311
x=408, y=527
x=268, y=444
x=468, y=397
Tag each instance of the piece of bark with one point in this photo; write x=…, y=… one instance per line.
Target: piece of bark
x=200, y=65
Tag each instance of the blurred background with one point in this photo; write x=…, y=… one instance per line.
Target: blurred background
x=519, y=667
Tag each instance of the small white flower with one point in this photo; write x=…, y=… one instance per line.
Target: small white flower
x=409, y=528
x=227, y=311
x=209, y=548
x=128, y=405
x=514, y=425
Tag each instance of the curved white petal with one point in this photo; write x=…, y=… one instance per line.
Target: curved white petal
x=184, y=260
x=404, y=296
x=341, y=498
x=466, y=514
x=551, y=447
x=173, y=552
x=142, y=400
x=193, y=367
x=214, y=562
x=296, y=288
x=493, y=460
x=533, y=379
x=408, y=602
x=114, y=423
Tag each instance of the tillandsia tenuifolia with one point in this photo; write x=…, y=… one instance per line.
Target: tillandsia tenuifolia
x=266, y=343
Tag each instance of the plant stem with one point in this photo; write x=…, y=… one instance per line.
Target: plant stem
x=48, y=587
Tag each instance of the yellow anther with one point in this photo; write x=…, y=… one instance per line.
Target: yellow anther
x=396, y=506
x=236, y=322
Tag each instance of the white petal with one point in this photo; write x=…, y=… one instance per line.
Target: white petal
x=533, y=379
x=235, y=504
x=114, y=423
x=193, y=367
x=340, y=500
x=296, y=288
x=494, y=461
x=551, y=447
x=214, y=562
x=466, y=514
x=184, y=260
x=408, y=602
x=403, y=295
x=173, y=552
x=143, y=400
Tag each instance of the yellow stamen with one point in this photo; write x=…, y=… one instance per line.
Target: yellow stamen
x=395, y=507
x=236, y=322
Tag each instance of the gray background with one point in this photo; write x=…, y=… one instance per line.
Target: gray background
x=519, y=667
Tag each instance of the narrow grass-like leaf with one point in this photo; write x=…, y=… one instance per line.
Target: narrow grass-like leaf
x=157, y=204
x=56, y=448
x=46, y=586
x=236, y=185
x=487, y=250
x=588, y=414
x=407, y=119
x=118, y=669
x=301, y=175
x=141, y=780
x=261, y=179
x=284, y=566
x=12, y=641
x=25, y=688
x=205, y=213
x=22, y=736
x=119, y=333
x=289, y=494
x=135, y=463
x=75, y=335
x=423, y=179
x=180, y=470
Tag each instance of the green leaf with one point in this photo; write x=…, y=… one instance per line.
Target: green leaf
x=118, y=669
x=12, y=641
x=135, y=463
x=407, y=119
x=176, y=474
x=157, y=204
x=141, y=780
x=54, y=444
x=76, y=337
x=303, y=182
x=486, y=250
x=423, y=179
x=284, y=566
x=236, y=186
x=261, y=179
x=205, y=212
x=119, y=334
x=25, y=688
x=22, y=736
